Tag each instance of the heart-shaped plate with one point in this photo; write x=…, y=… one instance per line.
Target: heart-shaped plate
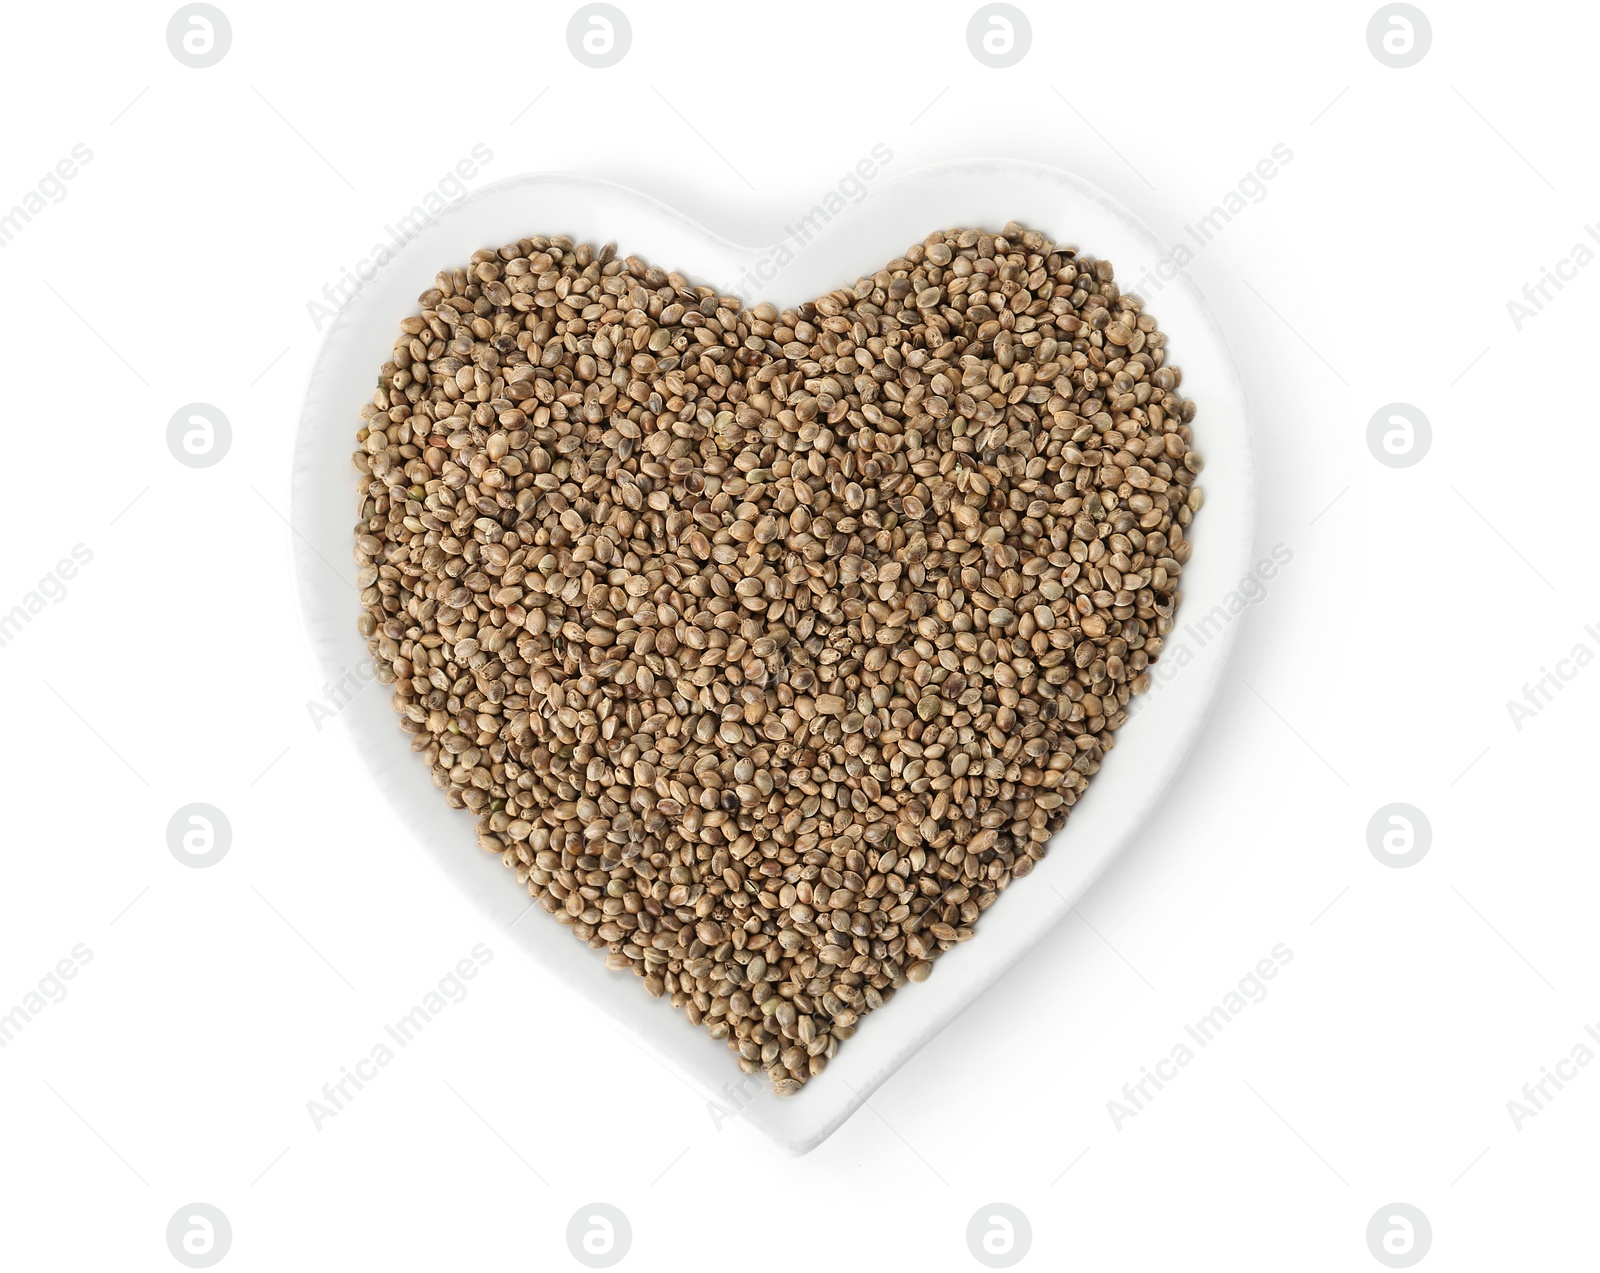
x=1149, y=749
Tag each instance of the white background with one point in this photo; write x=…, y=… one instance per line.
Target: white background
x=1376, y=269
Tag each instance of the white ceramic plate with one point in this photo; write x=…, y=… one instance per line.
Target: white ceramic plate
x=894, y=214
